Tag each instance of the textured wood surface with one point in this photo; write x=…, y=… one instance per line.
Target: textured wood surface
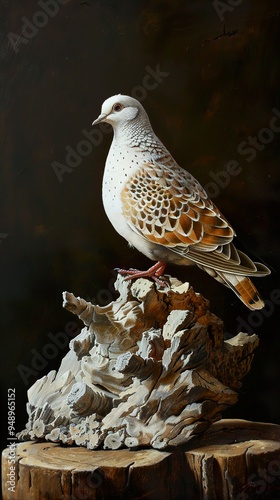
x=234, y=459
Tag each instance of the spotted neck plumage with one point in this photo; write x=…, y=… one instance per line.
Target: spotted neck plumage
x=139, y=134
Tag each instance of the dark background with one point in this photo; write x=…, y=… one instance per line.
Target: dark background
x=222, y=84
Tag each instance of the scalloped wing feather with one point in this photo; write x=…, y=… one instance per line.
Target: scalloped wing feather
x=169, y=207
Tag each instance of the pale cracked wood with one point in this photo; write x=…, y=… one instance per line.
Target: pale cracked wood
x=150, y=369
x=233, y=460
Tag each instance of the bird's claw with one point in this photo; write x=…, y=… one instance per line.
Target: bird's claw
x=155, y=273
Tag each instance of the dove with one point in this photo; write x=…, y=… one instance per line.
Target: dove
x=163, y=211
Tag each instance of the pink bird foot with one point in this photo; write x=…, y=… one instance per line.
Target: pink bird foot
x=153, y=272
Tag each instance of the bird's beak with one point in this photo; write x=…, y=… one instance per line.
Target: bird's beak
x=99, y=119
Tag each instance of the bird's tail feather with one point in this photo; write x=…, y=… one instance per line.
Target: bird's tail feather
x=243, y=287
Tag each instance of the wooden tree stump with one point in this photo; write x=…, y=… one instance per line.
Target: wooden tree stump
x=137, y=394
x=234, y=459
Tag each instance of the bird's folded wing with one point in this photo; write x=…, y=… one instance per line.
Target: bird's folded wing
x=169, y=207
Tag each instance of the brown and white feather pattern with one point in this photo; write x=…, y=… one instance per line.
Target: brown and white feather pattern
x=165, y=212
x=170, y=208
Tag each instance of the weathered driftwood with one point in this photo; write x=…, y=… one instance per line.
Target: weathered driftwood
x=150, y=369
x=233, y=460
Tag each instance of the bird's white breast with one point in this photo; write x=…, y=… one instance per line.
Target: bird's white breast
x=122, y=162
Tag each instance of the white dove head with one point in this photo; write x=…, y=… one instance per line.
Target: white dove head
x=120, y=109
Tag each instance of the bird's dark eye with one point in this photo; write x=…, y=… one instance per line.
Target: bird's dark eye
x=118, y=107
